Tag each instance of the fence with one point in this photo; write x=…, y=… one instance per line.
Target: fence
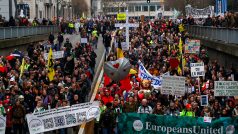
x=224, y=35
x=18, y=32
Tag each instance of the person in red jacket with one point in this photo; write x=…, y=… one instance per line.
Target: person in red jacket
x=107, y=97
x=8, y=109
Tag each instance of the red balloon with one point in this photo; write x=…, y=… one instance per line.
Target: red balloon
x=141, y=96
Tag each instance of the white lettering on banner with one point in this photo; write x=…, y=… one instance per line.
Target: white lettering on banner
x=56, y=55
x=197, y=69
x=84, y=40
x=226, y=88
x=62, y=117
x=145, y=75
x=173, y=85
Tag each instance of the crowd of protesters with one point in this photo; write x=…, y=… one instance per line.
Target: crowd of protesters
x=154, y=44
x=24, y=21
x=229, y=20
x=32, y=91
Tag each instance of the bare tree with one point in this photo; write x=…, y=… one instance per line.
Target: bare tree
x=79, y=7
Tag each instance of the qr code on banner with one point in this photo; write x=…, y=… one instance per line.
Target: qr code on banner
x=59, y=121
x=70, y=119
x=81, y=116
x=48, y=123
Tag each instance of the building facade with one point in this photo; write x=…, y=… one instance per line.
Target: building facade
x=136, y=8
x=45, y=8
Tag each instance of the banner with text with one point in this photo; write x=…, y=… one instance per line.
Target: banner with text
x=226, y=88
x=173, y=85
x=56, y=55
x=145, y=75
x=197, y=69
x=121, y=16
x=192, y=46
x=62, y=117
x=133, y=123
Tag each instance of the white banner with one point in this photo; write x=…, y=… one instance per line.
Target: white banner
x=199, y=13
x=62, y=117
x=197, y=69
x=226, y=88
x=84, y=40
x=145, y=75
x=56, y=55
x=173, y=85
x=2, y=124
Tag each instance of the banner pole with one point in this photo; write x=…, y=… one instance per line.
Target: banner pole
x=199, y=87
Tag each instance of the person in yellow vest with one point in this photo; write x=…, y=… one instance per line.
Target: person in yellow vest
x=95, y=38
x=71, y=27
x=188, y=111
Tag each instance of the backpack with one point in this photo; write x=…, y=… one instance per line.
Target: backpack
x=107, y=119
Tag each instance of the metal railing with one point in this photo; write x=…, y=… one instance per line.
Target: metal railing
x=224, y=35
x=18, y=32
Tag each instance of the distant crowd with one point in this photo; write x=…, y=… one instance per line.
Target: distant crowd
x=229, y=20
x=24, y=21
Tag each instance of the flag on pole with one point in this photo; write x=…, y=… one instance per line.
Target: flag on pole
x=51, y=71
x=22, y=67
x=180, y=47
x=119, y=51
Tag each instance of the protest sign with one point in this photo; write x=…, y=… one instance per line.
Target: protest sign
x=226, y=88
x=2, y=124
x=121, y=16
x=124, y=46
x=192, y=46
x=62, y=117
x=134, y=123
x=173, y=85
x=84, y=40
x=145, y=75
x=204, y=100
x=197, y=69
x=56, y=55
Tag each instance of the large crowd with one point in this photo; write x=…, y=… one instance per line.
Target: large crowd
x=229, y=20
x=32, y=91
x=154, y=44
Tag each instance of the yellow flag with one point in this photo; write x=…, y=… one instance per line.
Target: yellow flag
x=181, y=28
x=51, y=71
x=180, y=47
x=183, y=62
x=22, y=67
x=119, y=51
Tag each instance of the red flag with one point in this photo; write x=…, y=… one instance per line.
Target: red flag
x=174, y=62
x=10, y=57
x=126, y=84
x=205, y=85
x=107, y=80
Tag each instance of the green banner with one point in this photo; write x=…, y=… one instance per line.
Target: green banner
x=133, y=123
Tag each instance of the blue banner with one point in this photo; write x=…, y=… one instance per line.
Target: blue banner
x=221, y=7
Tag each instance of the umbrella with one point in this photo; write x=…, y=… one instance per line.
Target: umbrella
x=117, y=70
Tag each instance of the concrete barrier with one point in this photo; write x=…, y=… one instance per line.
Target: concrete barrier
x=88, y=128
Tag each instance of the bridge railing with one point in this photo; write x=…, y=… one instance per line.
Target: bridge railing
x=226, y=35
x=18, y=32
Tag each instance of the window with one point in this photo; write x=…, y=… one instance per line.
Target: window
x=131, y=9
x=145, y=8
x=158, y=7
x=152, y=8
x=138, y=8
x=122, y=9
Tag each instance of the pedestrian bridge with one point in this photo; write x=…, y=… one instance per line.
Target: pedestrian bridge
x=224, y=35
x=222, y=43
x=19, y=37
